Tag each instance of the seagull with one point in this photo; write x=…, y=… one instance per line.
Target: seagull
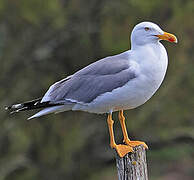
x=114, y=83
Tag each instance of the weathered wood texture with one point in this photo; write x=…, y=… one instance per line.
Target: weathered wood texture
x=133, y=166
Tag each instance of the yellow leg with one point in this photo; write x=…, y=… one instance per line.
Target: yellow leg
x=122, y=150
x=125, y=135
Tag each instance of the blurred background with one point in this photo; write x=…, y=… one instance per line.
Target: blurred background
x=44, y=41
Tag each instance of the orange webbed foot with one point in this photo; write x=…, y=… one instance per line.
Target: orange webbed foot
x=135, y=143
x=122, y=150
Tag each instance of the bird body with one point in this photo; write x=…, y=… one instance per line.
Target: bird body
x=119, y=82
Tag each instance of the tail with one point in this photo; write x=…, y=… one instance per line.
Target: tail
x=29, y=105
x=35, y=104
x=49, y=110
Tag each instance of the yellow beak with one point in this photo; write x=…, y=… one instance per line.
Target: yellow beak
x=168, y=37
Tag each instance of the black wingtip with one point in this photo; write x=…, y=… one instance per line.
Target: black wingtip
x=14, y=108
x=9, y=109
x=6, y=108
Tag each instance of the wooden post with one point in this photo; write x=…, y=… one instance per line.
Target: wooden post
x=133, y=166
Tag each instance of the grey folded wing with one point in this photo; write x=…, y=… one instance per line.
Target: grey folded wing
x=92, y=81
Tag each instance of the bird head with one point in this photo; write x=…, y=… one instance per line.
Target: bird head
x=148, y=32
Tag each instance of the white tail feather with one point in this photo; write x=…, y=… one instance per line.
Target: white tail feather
x=49, y=110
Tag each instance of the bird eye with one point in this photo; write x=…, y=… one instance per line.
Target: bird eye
x=147, y=28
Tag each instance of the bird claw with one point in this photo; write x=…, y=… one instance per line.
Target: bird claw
x=135, y=143
x=122, y=150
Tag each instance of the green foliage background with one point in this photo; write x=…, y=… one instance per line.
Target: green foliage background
x=44, y=41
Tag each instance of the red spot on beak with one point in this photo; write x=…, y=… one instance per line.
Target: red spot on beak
x=168, y=37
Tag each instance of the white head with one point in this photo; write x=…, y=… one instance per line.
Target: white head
x=148, y=32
